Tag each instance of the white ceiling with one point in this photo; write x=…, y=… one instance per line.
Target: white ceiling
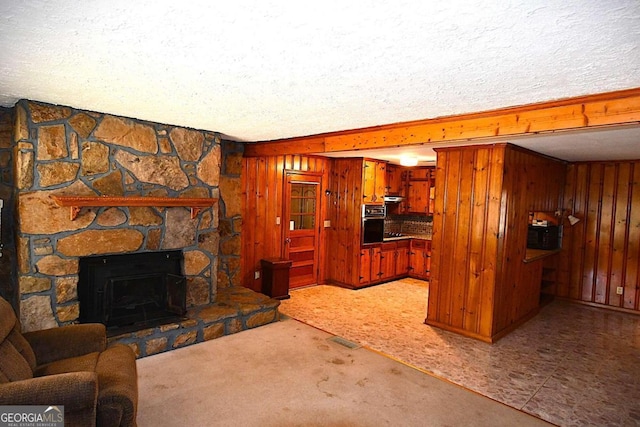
x=261, y=70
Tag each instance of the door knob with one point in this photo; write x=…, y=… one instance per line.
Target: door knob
x=287, y=240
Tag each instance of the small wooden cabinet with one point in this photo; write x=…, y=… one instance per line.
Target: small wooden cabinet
x=275, y=277
x=373, y=181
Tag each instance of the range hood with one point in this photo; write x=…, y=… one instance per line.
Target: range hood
x=393, y=199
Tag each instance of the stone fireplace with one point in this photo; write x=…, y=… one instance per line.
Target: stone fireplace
x=61, y=151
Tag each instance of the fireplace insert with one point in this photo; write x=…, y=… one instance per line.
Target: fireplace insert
x=132, y=291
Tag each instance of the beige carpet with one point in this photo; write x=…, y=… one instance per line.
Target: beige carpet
x=291, y=374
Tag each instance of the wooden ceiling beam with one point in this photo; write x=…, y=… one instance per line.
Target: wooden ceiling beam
x=585, y=112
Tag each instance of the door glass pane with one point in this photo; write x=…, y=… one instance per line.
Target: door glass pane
x=303, y=205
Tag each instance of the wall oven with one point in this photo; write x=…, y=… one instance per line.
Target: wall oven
x=373, y=223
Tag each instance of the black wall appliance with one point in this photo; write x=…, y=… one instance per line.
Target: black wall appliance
x=373, y=223
x=543, y=237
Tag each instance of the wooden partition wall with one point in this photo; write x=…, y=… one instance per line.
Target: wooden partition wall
x=262, y=194
x=464, y=246
x=532, y=183
x=343, y=258
x=480, y=286
x=602, y=251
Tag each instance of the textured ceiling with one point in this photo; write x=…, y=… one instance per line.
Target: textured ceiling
x=264, y=69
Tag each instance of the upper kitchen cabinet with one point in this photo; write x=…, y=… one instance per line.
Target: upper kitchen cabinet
x=395, y=180
x=373, y=181
x=417, y=197
x=416, y=185
x=420, y=190
x=420, y=173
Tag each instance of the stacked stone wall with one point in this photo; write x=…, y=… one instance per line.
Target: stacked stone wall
x=65, y=151
x=230, y=228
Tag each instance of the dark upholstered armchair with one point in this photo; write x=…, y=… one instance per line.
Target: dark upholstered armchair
x=70, y=366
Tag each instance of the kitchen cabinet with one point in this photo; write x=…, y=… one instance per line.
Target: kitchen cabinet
x=402, y=258
x=419, y=184
x=348, y=263
x=419, y=173
x=395, y=180
x=370, y=265
x=383, y=262
x=373, y=181
x=417, y=197
x=393, y=260
x=365, y=266
x=387, y=261
x=416, y=185
x=420, y=259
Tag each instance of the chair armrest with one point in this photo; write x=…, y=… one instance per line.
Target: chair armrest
x=118, y=394
x=54, y=344
x=77, y=391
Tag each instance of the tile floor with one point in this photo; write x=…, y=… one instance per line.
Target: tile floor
x=571, y=365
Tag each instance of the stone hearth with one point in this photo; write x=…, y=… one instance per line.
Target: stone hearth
x=236, y=309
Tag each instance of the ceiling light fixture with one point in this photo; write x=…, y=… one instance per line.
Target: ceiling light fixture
x=408, y=161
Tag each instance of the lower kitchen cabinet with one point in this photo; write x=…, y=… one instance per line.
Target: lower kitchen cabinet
x=420, y=259
x=371, y=259
x=391, y=260
x=402, y=258
x=387, y=261
x=365, y=266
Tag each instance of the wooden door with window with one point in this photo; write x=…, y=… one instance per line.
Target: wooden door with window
x=302, y=227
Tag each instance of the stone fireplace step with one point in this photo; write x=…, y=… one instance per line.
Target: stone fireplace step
x=236, y=309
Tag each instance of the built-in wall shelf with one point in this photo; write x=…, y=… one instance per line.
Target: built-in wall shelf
x=75, y=203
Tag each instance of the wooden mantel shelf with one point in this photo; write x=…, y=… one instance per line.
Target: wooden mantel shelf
x=78, y=202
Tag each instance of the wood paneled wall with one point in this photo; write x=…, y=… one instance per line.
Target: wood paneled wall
x=344, y=236
x=532, y=182
x=479, y=285
x=262, y=193
x=602, y=251
x=464, y=246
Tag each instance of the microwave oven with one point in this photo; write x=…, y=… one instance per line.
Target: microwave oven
x=543, y=237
